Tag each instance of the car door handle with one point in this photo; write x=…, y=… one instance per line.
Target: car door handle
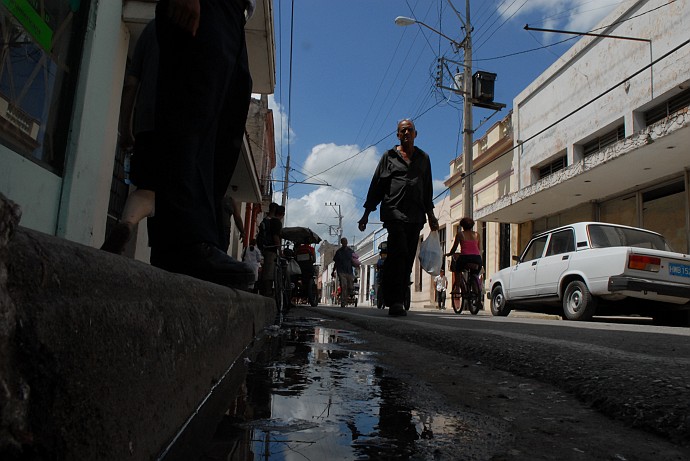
x=565, y=257
x=534, y=263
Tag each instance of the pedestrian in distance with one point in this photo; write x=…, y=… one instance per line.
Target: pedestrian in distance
x=402, y=185
x=252, y=256
x=305, y=255
x=270, y=234
x=441, y=286
x=343, y=265
x=202, y=100
x=136, y=138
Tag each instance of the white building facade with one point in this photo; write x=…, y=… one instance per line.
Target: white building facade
x=604, y=133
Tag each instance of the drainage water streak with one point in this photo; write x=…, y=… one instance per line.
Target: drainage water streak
x=311, y=395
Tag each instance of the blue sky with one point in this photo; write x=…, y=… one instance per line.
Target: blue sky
x=346, y=74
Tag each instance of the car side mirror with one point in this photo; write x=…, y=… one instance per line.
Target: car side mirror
x=516, y=258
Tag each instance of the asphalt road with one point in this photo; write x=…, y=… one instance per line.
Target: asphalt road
x=603, y=390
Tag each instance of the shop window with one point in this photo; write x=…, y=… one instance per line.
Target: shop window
x=39, y=64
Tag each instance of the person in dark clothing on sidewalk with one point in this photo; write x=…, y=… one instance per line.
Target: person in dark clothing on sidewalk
x=402, y=184
x=203, y=94
x=342, y=260
x=136, y=133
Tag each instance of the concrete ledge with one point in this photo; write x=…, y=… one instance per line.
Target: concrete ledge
x=103, y=357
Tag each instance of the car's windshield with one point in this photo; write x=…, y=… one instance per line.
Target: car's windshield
x=604, y=236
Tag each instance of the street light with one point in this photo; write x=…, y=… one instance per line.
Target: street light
x=467, y=131
x=405, y=21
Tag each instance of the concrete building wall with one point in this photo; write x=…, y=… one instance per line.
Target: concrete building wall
x=604, y=86
x=493, y=181
x=589, y=69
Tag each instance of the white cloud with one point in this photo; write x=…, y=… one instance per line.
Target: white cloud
x=576, y=15
x=439, y=186
x=311, y=209
x=340, y=165
x=281, y=123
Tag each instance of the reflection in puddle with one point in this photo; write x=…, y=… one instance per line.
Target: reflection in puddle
x=310, y=395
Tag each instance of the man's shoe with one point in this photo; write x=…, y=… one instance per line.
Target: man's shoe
x=118, y=238
x=204, y=262
x=398, y=310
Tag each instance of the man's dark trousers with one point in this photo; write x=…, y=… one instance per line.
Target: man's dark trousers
x=204, y=89
x=402, y=249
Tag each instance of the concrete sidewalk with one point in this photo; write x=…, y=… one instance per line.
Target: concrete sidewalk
x=103, y=357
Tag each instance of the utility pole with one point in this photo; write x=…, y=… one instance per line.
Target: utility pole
x=467, y=131
x=483, y=97
x=340, y=220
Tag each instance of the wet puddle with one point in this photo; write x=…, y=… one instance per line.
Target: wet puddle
x=313, y=393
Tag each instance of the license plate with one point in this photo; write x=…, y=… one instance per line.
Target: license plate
x=679, y=270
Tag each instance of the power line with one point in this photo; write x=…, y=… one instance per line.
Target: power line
x=500, y=25
x=578, y=109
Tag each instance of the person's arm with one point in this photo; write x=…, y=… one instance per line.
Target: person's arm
x=456, y=242
x=364, y=220
x=129, y=96
x=433, y=222
x=236, y=217
x=185, y=14
x=374, y=194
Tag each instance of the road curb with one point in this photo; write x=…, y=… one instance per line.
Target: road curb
x=105, y=357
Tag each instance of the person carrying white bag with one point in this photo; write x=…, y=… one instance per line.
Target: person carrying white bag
x=402, y=184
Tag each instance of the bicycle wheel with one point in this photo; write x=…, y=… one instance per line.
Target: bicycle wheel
x=456, y=298
x=312, y=294
x=278, y=294
x=475, y=301
x=287, y=291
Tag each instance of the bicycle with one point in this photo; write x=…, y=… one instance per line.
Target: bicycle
x=467, y=290
x=281, y=288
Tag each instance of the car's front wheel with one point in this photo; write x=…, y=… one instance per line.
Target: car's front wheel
x=499, y=306
x=578, y=302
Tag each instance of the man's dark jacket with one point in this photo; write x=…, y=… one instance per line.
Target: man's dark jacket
x=404, y=191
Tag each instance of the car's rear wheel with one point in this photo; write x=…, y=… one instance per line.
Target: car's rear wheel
x=578, y=302
x=499, y=306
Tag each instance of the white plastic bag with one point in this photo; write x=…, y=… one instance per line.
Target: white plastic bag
x=430, y=256
x=293, y=268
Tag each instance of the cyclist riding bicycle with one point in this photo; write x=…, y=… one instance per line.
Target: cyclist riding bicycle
x=470, y=246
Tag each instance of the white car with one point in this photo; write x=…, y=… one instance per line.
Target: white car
x=593, y=267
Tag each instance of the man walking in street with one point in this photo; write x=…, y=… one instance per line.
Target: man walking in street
x=441, y=286
x=343, y=266
x=402, y=184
